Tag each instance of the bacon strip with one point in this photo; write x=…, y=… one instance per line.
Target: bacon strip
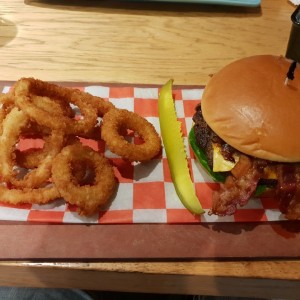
x=288, y=190
x=238, y=187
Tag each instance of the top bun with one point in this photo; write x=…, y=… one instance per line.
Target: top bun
x=251, y=108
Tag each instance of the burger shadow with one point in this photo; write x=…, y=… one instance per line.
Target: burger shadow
x=284, y=229
x=237, y=223
x=233, y=228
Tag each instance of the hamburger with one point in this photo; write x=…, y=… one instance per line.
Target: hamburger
x=246, y=134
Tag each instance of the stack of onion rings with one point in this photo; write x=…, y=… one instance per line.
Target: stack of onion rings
x=40, y=110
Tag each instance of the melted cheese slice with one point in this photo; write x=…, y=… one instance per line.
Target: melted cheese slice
x=220, y=164
x=269, y=173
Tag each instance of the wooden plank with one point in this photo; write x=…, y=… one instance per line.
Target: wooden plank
x=112, y=41
x=149, y=241
x=133, y=281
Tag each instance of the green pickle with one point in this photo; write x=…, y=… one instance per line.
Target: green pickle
x=175, y=150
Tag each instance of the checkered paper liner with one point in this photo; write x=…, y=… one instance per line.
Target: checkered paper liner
x=145, y=192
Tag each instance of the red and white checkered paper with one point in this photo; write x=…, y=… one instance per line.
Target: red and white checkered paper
x=145, y=192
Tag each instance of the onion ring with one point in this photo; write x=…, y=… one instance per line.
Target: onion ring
x=27, y=88
x=99, y=104
x=53, y=106
x=6, y=100
x=87, y=198
x=12, y=127
x=27, y=195
x=114, y=123
x=7, y=104
x=33, y=157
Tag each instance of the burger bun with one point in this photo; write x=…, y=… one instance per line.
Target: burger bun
x=249, y=105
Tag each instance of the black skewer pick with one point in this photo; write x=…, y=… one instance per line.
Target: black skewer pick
x=290, y=74
x=293, y=48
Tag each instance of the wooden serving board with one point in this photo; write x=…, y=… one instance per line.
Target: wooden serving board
x=43, y=233
x=149, y=241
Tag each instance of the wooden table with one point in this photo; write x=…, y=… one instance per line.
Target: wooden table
x=108, y=41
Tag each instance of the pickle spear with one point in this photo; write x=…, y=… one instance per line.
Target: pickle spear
x=175, y=150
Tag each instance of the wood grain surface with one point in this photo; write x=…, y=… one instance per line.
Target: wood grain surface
x=108, y=41
x=241, y=278
x=123, y=42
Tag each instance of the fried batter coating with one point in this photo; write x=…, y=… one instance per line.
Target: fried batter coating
x=27, y=89
x=115, y=121
x=90, y=197
x=12, y=127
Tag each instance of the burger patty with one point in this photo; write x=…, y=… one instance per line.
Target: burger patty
x=205, y=137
